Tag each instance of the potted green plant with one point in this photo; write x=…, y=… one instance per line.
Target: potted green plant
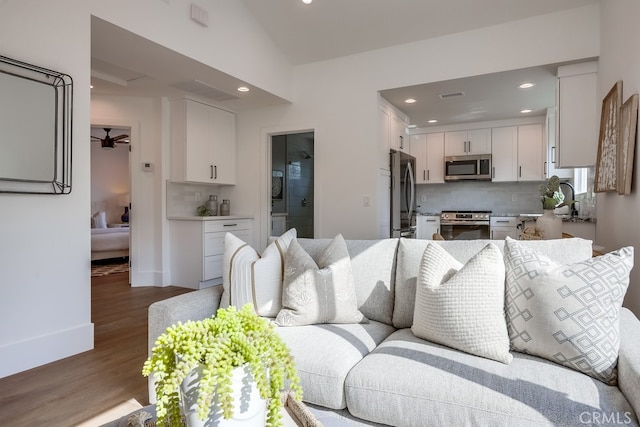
x=214, y=348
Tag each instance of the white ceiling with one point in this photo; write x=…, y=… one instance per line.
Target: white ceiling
x=124, y=63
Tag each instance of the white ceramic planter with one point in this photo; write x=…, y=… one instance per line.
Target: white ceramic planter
x=250, y=410
x=550, y=225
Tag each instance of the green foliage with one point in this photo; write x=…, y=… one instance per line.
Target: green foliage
x=221, y=343
x=550, y=193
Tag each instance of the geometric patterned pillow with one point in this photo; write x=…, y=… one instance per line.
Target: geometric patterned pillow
x=568, y=314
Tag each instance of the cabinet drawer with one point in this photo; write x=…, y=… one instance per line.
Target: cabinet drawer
x=504, y=221
x=212, y=267
x=227, y=225
x=214, y=242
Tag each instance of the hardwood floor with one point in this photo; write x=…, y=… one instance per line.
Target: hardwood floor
x=75, y=390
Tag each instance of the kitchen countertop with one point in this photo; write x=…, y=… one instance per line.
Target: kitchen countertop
x=210, y=218
x=565, y=218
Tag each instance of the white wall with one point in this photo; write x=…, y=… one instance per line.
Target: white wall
x=338, y=99
x=620, y=60
x=45, y=293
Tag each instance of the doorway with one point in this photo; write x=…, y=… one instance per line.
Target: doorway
x=292, y=184
x=110, y=199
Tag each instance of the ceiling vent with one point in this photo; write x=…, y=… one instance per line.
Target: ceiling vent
x=451, y=95
x=203, y=89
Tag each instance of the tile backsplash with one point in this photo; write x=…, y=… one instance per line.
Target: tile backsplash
x=497, y=197
x=183, y=198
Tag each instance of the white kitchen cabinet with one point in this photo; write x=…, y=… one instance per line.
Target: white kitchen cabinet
x=197, y=248
x=531, y=152
x=426, y=225
x=428, y=149
x=502, y=227
x=577, y=115
x=465, y=142
x=399, y=137
x=203, y=146
x=517, y=153
x=551, y=155
x=504, y=154
x=384, y=132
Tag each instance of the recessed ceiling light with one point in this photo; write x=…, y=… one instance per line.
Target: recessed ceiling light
x=525, y=111
x=412, y=126
x=243, y=89
x=526, y=85
x=432, y=121
x=307, y=1
x=409, y=100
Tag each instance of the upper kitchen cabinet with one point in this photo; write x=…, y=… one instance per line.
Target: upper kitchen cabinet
x=577, y=117
x=465, y=142
x=428, y=149
x=203, y=147
x=392, y=130
x=518, y=153
x=551, y=160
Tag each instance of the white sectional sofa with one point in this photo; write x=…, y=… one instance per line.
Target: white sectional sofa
x=381, y=373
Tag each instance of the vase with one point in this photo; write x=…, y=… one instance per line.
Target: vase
x=550, y=225
x=250, y=410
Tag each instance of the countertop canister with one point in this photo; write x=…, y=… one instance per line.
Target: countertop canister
x=225, y=207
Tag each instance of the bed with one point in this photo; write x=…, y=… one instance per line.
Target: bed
x=109, y=243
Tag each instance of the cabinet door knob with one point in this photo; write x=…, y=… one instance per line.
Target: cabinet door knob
x=211, y=176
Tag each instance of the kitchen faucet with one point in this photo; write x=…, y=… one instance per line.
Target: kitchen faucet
x=572, y=210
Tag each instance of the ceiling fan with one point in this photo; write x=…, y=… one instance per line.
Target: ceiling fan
x=108, y=142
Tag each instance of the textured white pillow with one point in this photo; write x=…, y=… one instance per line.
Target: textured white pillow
x=319, y=293
x=249, y=278
x=462, y=306
x=568, y=314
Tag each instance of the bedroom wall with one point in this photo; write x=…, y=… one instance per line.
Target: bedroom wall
x=109, y=180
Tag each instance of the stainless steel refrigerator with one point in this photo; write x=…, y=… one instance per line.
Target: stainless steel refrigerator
x=403, y=195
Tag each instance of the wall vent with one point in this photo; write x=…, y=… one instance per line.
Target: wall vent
x=451, y=95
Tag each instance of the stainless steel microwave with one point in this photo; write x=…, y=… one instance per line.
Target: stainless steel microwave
x=472, y=167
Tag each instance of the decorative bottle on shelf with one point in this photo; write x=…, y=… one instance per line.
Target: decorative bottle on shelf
x=225, y=208
x=212, y=205
x=125, y=216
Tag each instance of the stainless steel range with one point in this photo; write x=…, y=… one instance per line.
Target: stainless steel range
x=465, y=225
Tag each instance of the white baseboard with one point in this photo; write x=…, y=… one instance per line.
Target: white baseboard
x=28, y=354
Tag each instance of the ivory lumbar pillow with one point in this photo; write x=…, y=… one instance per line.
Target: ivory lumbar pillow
x=319, y=293
x=250, y=278
x=568, y=314
x=462, y=305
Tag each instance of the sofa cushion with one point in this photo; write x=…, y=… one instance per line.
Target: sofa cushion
x=567, y=313
x=410, y=253
x=462, y=305
x=250, y=278
x=411, y=382
x=373, y=266
x=318, y=293
x=324, y=355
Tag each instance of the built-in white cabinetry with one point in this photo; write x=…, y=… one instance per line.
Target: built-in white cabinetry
x=428, y=149
x=577, y=118
x=392, y=131
x=203, y=146
x=502, y=227
x=197, y=248
x=426, y=225
x=465, y=142
x=551, y=160
x=518, y=153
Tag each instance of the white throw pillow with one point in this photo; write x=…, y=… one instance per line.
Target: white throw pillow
x=99, y=220
x=319, y=293
x=249, y=278
x=568, y=314
x=462, y=305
